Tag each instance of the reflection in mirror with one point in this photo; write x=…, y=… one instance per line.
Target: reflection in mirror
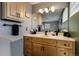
x=51, y=21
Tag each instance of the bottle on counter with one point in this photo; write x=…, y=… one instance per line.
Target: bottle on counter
x=56, y=32
x=46, y=32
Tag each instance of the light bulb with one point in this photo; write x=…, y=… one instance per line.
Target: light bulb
x=52, y=8
x=46, y=10
x=41, y=11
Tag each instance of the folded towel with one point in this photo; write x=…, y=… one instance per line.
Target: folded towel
x=15, y=29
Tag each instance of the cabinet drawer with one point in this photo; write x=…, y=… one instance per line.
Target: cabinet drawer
x=27, y=38
x=34, y=39
x=50, y=42
x=64, y=44
x=64, y=52
x=44, y=41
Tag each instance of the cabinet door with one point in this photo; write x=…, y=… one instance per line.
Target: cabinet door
x=9, y=11
x=18, y=9
x=27, y=52
x=12, y=9
x=21, y=10
x=50, y=50
x=37, y=49
x=27, y=43
x=27, y=46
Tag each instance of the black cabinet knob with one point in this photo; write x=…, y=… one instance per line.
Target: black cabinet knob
x=64, y=53
x=64, y=44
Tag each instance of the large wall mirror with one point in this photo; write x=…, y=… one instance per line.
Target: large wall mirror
x=51, y=16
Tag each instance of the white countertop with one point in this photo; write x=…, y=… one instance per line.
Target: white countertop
x=10, y=37
x=50, y=37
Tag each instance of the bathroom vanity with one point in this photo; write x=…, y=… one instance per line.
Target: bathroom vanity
x=48, y=45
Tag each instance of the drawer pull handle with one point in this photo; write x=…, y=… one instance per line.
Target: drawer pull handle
x=64, y=44
x=64, y=53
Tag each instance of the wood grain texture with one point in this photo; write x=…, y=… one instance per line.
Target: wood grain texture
x=47, y=47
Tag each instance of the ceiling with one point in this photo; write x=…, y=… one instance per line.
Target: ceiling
x=59, y=6
x=33, y=3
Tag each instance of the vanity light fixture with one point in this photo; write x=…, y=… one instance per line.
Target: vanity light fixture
x=46, y=10
x=52, y=8
x=40, y=11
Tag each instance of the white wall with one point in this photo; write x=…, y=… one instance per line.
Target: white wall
x=5, y=47
x=6, y=30
x=26, y=24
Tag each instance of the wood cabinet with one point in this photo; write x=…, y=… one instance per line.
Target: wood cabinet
x=65, y=48
x=37, y=49
x=64, y=52
x=13, y=11
x=48, y=47
x=64, y=44
x=21, y=8
x=27, y=46
x=43, y=50
x=50, y=50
